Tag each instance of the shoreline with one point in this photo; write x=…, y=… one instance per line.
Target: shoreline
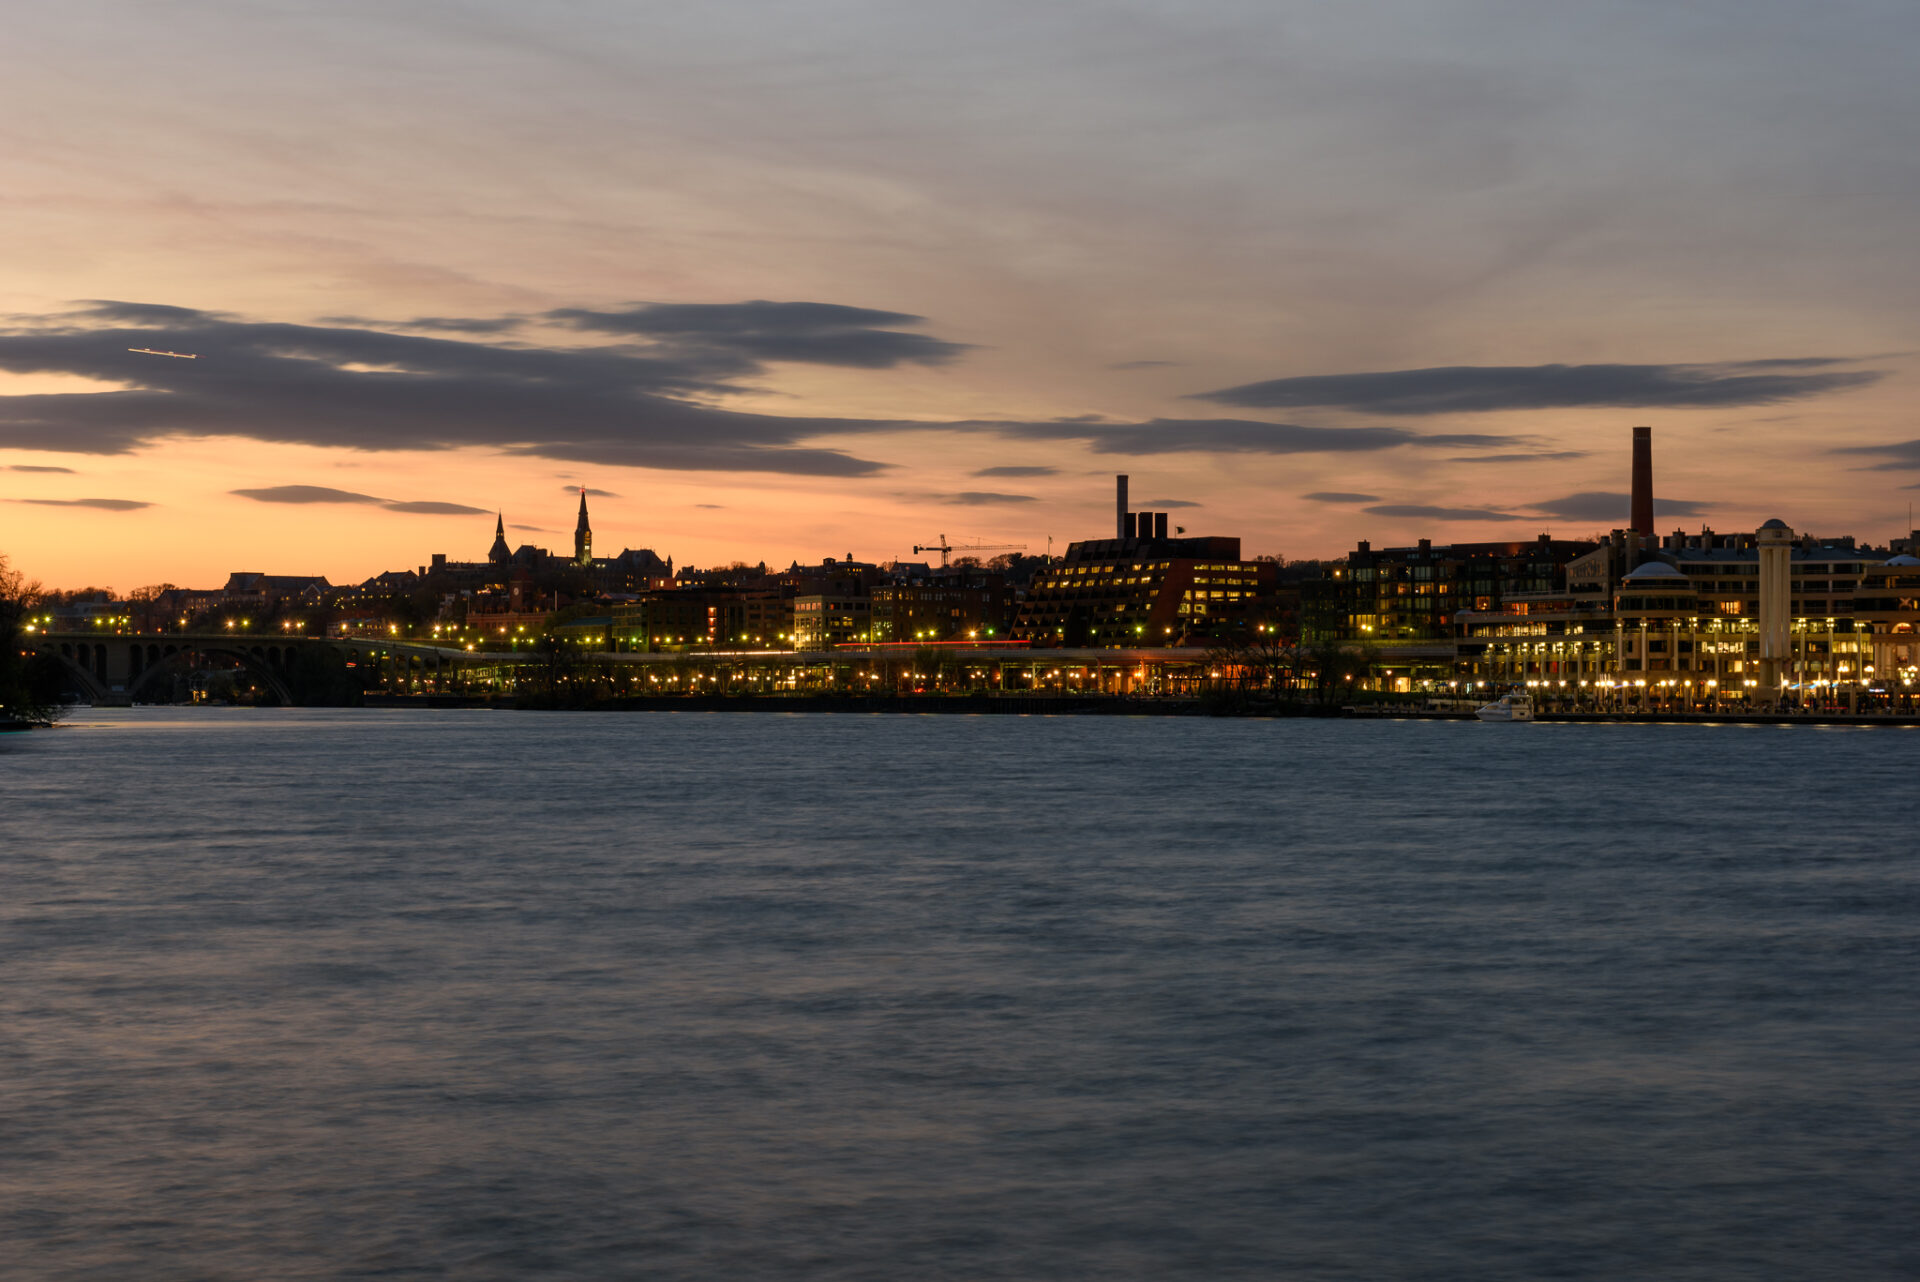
x=1098, y=705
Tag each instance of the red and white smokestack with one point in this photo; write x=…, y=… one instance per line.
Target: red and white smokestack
x=1641, y=518
x=1123, y=519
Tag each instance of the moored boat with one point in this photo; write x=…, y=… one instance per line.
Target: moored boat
x=1515, y=706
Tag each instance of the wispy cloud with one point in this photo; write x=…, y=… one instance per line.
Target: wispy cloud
x=466, y=324
x=1425, y=512
x=1554, y=456
x=1015, y=472
x=1340, y=496
x=1240, y=436
x=303, y=494
x=444, y=324
x=1124, y=365
x=427, y=507
x=813, y=333
x=1896, y=456
x=34, y=467
x=1606, y=505
x=371, y=389
x=1164, y=504
x=985, y=498
x=1588, y=505
x=101, y=505
x=640, y=403
x=1481, y=388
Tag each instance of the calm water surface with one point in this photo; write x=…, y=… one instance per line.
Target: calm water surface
x=490, y=995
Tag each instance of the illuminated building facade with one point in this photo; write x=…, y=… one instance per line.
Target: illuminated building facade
x=1145, y=588
x=689, y=618
x=1413, y=593
x=823, y=620
x=1711, y=618
x=1152, y=591
x=939, y=608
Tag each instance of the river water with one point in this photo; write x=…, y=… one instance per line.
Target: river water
x=505, y=995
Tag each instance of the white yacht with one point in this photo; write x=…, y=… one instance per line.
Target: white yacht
x=1515, y=706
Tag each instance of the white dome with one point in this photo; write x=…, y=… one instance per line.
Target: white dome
x=1655, y=570
x=1902, y=559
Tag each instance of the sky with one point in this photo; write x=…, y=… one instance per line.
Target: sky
x=784, y=280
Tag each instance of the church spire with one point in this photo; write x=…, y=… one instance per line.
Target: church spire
x=583, y=533
x=499, y=552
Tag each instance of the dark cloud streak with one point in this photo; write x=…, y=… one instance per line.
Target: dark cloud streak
x=303, y=494
x=1898, y=456
x=633, y=405
x=985, y=498
x=1606, y=505
x=812, y=333
x=306, y=494
x=428, y=507
x=373, y=390
x=1425, y=512
x=1479, y=389
x=1555, y=456
x=1015, y=472
x=101, y=505
x=1238, y=436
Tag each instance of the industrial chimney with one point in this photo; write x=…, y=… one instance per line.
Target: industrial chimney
x=1641, y=516
x=1124, y=518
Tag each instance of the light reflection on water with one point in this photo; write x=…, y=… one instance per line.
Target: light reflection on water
x=506, y=995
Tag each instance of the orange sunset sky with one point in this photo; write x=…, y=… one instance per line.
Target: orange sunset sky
x=783, y=280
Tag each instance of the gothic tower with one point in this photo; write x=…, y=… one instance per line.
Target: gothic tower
x=499, y=553
x=583, y=534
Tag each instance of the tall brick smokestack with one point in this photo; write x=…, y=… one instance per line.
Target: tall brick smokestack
x=1642, y=510
x=1122, y=520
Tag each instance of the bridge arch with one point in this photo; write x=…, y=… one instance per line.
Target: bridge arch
x=253, y=660
x=77, y=661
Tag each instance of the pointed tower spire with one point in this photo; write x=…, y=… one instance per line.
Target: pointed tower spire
x=499, y=552
x=583, y=533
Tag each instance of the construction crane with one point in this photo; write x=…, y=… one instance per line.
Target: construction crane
x=943, y=547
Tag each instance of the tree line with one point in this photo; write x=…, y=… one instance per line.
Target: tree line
x=30, y=683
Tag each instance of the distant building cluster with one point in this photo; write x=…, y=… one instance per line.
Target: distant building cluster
x=1711, y=615
x=1707, y=616
x=1141, y=587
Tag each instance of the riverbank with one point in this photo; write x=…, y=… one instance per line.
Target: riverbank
x=975, y=704
x=1662, y=718
x=1056, y=705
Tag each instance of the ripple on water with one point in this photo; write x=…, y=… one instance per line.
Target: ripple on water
x=320, y=994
